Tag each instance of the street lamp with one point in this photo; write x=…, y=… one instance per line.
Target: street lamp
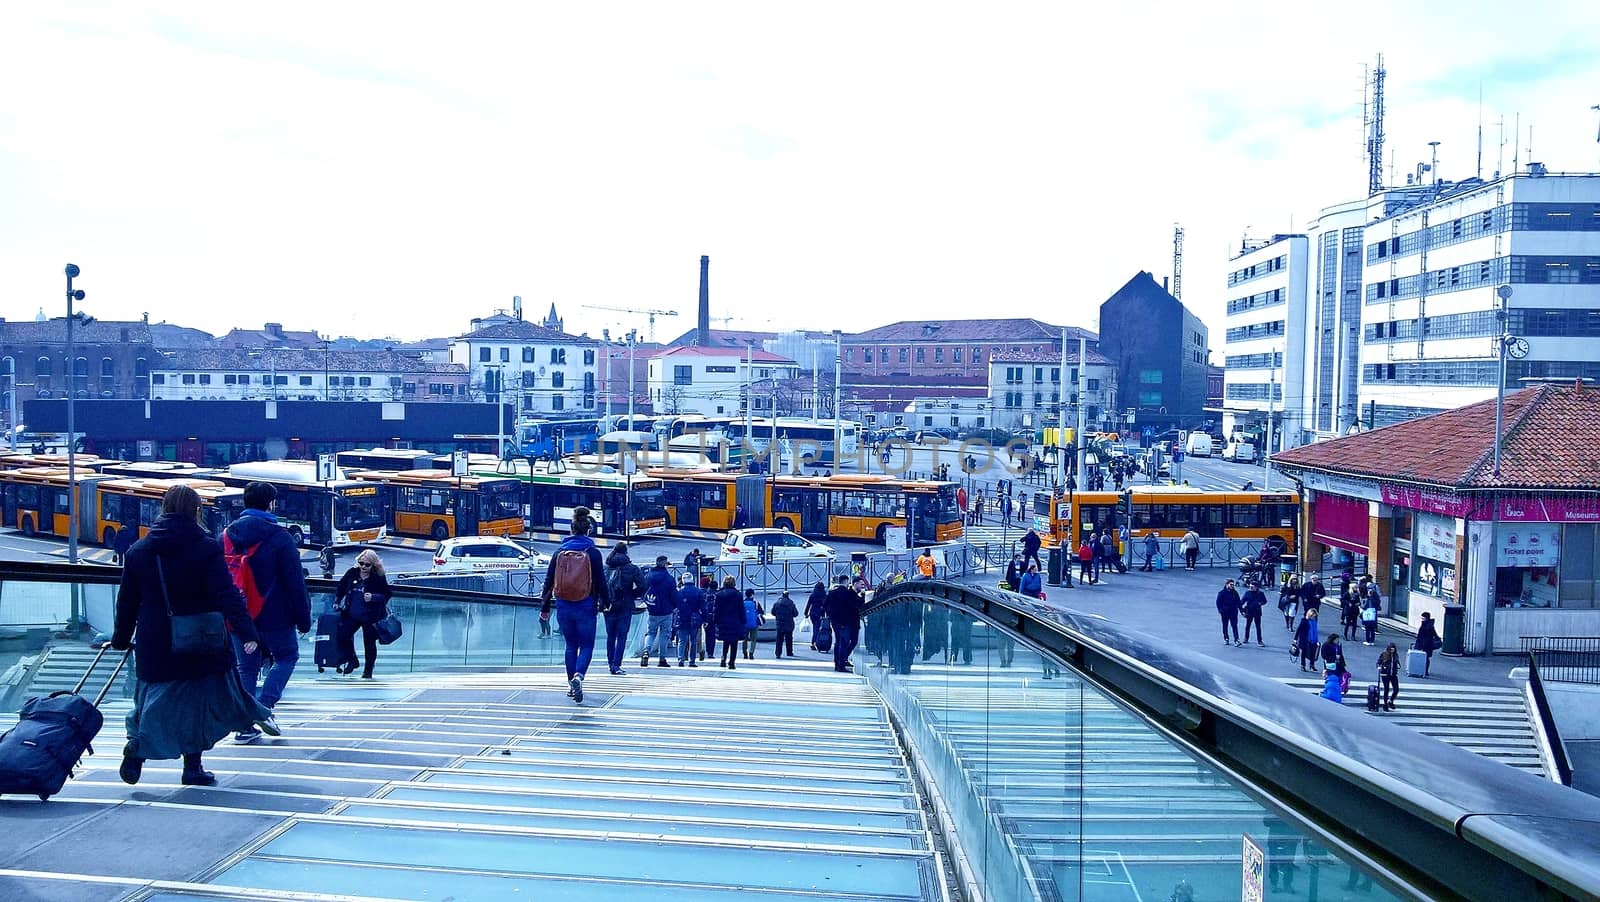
x=72, y=468
x=1508, y=344
x=11, y=399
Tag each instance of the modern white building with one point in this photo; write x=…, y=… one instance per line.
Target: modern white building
x=1025, y=388
x=1431, y=280
x=711, y=380
x=1266, y=328
x=293, y=374
x=538, y=369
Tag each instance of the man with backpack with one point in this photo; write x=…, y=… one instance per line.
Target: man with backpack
x=265, y=566
x=575, y=585
x=624, y=586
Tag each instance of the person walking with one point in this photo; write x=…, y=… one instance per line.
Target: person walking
x=785, y=613
x=578, y=594
x=1152, y=547
x=1085, y=563
x=1251, y=605
x=624, y=585
x=661, y=602
x=1289, y=601
x=257, y=541
x=1350, y=611
x=729, y=620
x=1228, y=604
x=844, y=613
x=1312, y=593
x=1372, y=603
x=815, y=610
x=926, y=568
x=362, y=598
x=1305, y=641
x=690, y=608
x=755, y=616
x=1191, y=549
x=1030, y=547
x=1427, y=640
x=1389, y=674
x=183, y=703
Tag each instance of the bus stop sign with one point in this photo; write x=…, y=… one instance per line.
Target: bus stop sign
x=325, y=469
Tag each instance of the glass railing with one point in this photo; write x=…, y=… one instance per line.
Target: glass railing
x=1069, y=758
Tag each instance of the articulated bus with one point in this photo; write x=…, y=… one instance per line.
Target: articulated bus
x=435, y=504
x=157, y=469
x=136, y=504
x=83, y=463
x=802, y=442
x=850, y=506
x=1170, y=511
x=387, y=459
x=553, y=438
x=36, y=500
x=621, y=505
x=338, y=512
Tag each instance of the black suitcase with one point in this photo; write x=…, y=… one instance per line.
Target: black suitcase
x=824, y=635
x=326, y=647
x=1372, y=698
x=54, y=733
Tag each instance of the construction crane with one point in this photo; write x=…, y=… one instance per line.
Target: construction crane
x=651, y=313
x=1177, y=261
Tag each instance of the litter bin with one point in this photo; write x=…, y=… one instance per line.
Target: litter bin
x=1455, y=628
x=1053, y=565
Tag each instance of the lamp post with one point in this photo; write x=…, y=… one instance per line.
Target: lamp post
x=11, y=400
x=72, y=467
x=326, y=348
x=838, y=415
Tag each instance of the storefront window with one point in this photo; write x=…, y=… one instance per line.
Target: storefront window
x=1579, y=583
x=1402, y=525
x=1546, y=565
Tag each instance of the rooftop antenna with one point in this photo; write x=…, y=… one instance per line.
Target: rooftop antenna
x=1500, y=156
x=1480, y=131
x=1177, y=261
x=1375, y=132
x=1516, y=143
x=1597, y=132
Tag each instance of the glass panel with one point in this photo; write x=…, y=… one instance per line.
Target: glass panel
x=1057, y=792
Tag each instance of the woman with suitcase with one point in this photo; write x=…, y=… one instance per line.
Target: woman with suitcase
x=1427, y=642
x=188, y=698
x=362, y=599
x=1389, y=674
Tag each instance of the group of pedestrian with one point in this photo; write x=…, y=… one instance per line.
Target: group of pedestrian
x=1097, y=553
x=195, y=687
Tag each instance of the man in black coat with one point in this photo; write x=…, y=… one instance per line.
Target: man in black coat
x=1228, y=603
x=285, y=608
x=1030, y=548
x=844, y=613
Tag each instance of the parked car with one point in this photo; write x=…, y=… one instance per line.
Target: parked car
x=1240, y=452
x=479, y=553
x=747, y=545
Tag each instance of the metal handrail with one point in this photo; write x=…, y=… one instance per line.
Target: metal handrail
x=1446, y=822
x=1547, y=723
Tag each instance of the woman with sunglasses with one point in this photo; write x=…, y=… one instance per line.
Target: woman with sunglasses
x=362, y=600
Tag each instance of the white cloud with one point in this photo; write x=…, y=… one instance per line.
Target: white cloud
x=397, y=168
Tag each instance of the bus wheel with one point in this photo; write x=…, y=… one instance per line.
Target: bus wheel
x=27, y=526
x=784, y=523
x=883, y=533
x=440, y=531
x=297, y=536
x=110, y=538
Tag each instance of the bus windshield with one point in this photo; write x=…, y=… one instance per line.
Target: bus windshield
x=944, y=506
x=648, y=504
x=358, y=508
x=501, y=502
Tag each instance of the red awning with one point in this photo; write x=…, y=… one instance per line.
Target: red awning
x=1340, y=522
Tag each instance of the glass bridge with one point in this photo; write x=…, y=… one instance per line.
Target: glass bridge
x=986, y=748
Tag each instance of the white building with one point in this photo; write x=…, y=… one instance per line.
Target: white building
x=1266, y=328
x=241, y=374
x=1429, y=326
x=1025, y=388
x=539, y=370
x=943, y=414
x=711, y=380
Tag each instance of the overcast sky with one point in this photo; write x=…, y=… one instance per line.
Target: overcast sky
x=393, y=169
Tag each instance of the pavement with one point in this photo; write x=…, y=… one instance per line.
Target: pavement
x=1180, y=606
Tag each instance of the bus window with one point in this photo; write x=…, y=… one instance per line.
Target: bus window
x=424, y=501
x=1244, y=515
x=355, y=509
x=788, y=501
x=292, y=505
x=713, y=496
x=501, y=505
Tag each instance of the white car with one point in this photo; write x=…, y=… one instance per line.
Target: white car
x=1240, y=452
x=479, y=553
x=748, y=544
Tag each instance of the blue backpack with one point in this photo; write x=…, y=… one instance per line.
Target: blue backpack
x=752, y=618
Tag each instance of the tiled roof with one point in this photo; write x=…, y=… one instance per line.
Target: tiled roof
x=1552, y=441
x=167, y=335
x=54, y=331
x=522, y=330
x=758, y=356
x=269, y=337
x=1095, y=357
x=965, y=330
x=724, y=338
x=297, y=360
x=918, y=380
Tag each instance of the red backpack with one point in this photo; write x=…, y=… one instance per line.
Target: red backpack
x=244, y=575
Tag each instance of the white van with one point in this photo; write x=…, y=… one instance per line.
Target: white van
x=1240, y=452
x=1199, y=445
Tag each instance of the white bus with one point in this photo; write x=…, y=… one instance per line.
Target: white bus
x=802, y=442
x=339, y=512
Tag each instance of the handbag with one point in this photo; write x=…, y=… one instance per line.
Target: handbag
x=193, y=634
x=388, y=629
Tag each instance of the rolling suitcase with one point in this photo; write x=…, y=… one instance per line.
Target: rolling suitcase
x=1416, y=662
x=52, y=734
x=1373, y=699
x=326, y=647
x=824, y=635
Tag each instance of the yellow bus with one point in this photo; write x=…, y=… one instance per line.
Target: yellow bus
x=435, y=504
x=848, y=506
x=1169, y=510
x=83, y=463
x=36, y=499
x=552, y=489
x=134, y=503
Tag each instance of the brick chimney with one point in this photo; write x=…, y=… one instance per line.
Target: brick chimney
x=703, y=334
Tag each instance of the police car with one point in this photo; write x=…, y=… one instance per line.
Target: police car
x=480, y=553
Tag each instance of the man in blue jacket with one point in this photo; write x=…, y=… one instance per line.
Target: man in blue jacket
x=285, y=609
x=576, y=599
x=691, y=604
x=660, y=600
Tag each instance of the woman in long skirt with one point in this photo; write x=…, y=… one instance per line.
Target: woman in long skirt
x=185, y=703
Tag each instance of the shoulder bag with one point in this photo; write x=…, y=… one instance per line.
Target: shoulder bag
x=193, y=634
x=388, y=629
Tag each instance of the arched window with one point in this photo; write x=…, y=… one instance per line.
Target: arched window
x=41, y=373
x=141, y=368
x=108, y=370
x=80, y=377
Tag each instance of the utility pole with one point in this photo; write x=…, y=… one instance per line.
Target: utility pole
x=749, y=400
x=838, y=421
x=1083, y=358
x=1266, y=453
x=816, y=387
x=72, y=439
x=631, y=334
x=1061, y=420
